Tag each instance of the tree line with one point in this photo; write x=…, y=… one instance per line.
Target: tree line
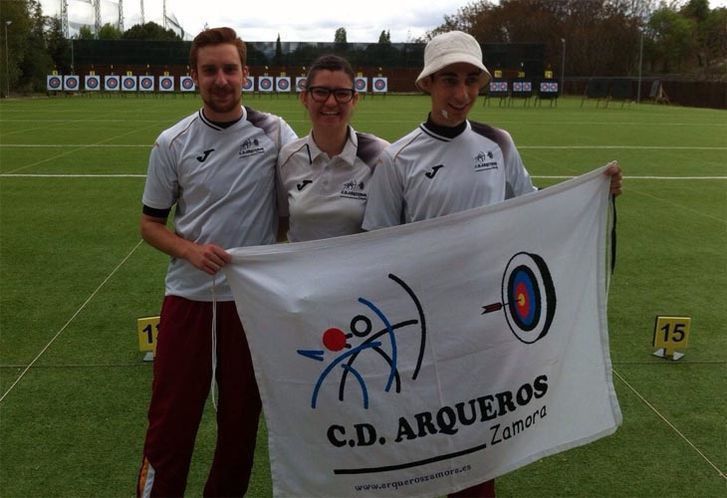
x=607, y=37
x=597, y=38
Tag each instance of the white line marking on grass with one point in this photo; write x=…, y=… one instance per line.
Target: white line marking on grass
x=566, y=177
x=680, y=206
x=81, y=146
x=76, y=149
x=58, y=175
x=131, y=175
x=646, y=402
x=619, y=147
x=93, y=294
x=533, y=147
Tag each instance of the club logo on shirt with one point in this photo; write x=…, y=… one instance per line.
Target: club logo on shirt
x=484, y=161
x=430, y=174
x=250, y=147
x=300, y=186
x=205, y=155
x=353, y=190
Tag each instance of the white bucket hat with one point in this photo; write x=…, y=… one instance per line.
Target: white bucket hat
x=450, y=48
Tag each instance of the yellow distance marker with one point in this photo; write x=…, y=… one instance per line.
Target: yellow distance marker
x=147, y=329
x=670, y=334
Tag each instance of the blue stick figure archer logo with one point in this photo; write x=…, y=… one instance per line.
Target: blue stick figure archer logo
x=381, y=341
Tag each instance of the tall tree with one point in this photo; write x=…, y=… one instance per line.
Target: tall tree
x=670, y=39
x=109, y=32
x=36, y=62
x=340, y=36
x=15, y=25
x=59, y=47
x=85, y=33
x=715, y=37
x=340, y=43
x=150, y=31
x=278, y=57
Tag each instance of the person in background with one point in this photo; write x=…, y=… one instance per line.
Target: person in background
x=448, y=163
x=216, y=168
x=323, y=177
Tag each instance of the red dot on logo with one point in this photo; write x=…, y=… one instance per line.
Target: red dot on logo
x=334, y=339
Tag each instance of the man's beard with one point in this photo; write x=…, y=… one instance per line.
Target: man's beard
x=214, y=104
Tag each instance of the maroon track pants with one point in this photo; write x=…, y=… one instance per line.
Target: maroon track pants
x=182, y=376
x=482, y=490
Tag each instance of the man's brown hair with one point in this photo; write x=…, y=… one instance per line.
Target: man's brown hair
x=216, y=36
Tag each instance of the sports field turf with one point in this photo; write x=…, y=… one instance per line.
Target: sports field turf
x=74, y=277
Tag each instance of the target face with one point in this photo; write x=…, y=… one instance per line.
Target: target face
x=92, y=83
x=283, y=84
x=147, y=83
x=54, y=83
x=549, y=86
x=498, y=86
x=166, y=83
x=71, y=83
x=112, y=83
x=265, y=84
x=300, y=84
x=187, y=83
x=249, y=83
x=129, y=83
x=360, y=84
x=380, y=85
x=529, y=297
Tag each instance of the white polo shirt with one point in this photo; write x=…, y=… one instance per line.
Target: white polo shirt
x=434, y=171
x=326, y=196
x=222, y=182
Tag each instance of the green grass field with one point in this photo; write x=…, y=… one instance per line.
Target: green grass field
x=74, y=277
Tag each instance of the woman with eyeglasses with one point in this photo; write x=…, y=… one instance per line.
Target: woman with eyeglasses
x=323, y=177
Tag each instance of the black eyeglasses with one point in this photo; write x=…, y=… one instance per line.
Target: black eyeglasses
x=321, y=93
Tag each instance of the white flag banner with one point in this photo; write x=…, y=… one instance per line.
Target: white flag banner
x=423, y=359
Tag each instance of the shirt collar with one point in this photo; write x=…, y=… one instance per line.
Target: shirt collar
x=445, y=131
x=348, y=154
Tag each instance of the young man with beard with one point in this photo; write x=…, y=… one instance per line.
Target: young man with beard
x=429, y=172
x=216, y=168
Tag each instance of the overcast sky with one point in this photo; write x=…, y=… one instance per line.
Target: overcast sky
x=262, y=20
x=294, y=20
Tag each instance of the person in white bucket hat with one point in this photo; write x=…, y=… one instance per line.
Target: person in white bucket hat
x=451, y=48
x=448, y=163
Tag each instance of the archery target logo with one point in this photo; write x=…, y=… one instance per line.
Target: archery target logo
x=54, y=83
x=528, y=297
